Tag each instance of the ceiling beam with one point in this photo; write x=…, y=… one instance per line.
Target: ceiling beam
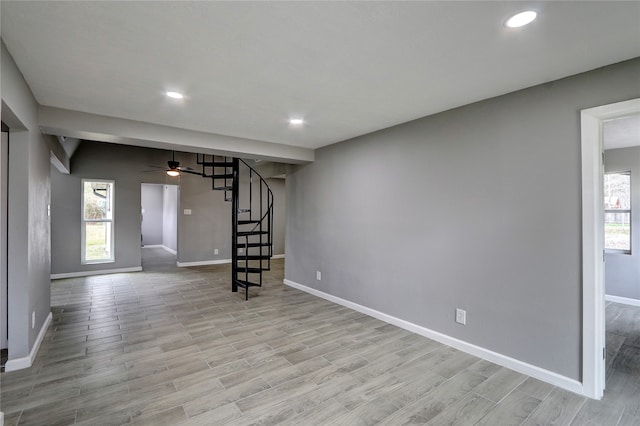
x=82, y=125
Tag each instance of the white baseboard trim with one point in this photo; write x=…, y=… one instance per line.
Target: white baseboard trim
x=27, y=361
x=100, y=272
x=623, y=300
x=503, y=360
x=203, y=263
x=278, y=256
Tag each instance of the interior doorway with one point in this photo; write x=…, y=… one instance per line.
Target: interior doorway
x=593, y=288
x=159, y=217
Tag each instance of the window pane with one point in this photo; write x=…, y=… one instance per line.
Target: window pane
x=97, y=200
x=617, y=191
x=617, y=231
x=97, y=241
x=617, y=224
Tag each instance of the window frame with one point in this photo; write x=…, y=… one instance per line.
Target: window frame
x=83, y=223
x=627, y=211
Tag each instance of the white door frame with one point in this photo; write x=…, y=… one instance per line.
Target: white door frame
x=593, y=315
x=4, y=166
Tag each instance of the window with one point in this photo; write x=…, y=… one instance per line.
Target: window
x=617, y=212
x=97, y=221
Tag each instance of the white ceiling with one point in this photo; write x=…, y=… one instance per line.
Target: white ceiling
x=347, y=68
x=622, y=132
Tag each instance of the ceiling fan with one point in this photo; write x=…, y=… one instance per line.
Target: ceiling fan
x=174, y=168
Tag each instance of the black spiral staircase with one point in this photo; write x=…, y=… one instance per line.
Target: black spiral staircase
x=251, y=215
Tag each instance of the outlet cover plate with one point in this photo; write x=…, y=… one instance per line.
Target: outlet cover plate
x=461, y=316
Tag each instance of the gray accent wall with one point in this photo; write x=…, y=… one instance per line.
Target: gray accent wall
x=208, y=227
x=622, y=271
x=28, y=223
x=475, y=208
x=151, y=199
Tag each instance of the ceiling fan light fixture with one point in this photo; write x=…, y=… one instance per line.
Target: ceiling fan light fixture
x=173, y=172
x=175, y=95
x=521, y=19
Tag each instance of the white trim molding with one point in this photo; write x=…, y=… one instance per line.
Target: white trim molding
x=497, y=358
x=203, y=263
x=623, y=300
x=27, y=361
x=278, y=256
x=100, y=272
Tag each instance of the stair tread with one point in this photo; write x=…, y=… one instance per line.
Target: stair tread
x=249, y=233
x=249, y=245
x=216, y=163
x=244, y=269
x=223, y=176
x=254, y=257
x=248, y=222
x=222, y=188
x=244, y=284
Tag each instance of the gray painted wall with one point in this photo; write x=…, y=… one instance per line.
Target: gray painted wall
x=622, y=271
x=151, y=199
x=170, y=217
x=199, y=234
x=208, y=227
x=29, y=248
x=475, y=208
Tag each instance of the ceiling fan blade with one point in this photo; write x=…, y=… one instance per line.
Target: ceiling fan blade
x=193, y=172
x=155, y=167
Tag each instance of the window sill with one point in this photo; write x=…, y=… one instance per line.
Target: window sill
x=98, y=262
x=617, y=251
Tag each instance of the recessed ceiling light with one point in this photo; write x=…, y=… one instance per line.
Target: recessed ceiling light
x=175, y=95
x=296, y=121
x=521, y=19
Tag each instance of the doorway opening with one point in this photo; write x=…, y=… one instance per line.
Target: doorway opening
x=593, y=256
x=159, y=224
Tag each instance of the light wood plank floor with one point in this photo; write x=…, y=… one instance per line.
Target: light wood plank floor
x=174, y=346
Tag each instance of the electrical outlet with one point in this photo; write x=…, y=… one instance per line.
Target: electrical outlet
x=318, y=275
x=461, y=316
x=215, y=251
x=187, y=212
x=33, y=319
